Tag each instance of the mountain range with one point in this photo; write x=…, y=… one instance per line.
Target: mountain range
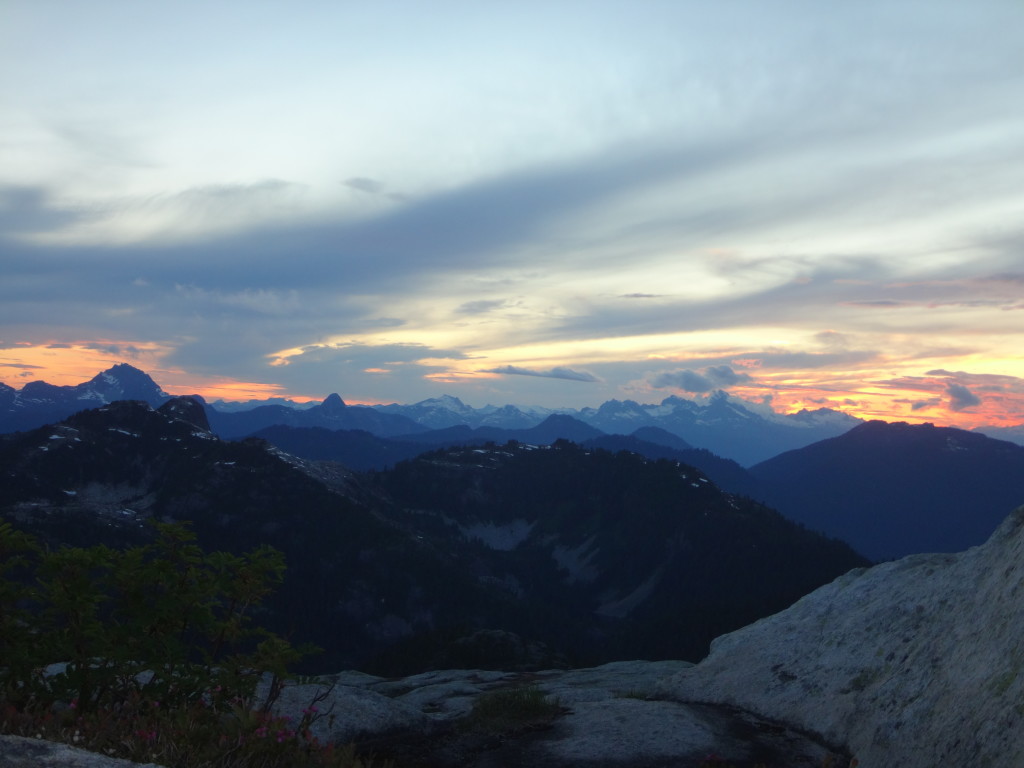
x=724, y=425
x=887, y=489
x=585, y=554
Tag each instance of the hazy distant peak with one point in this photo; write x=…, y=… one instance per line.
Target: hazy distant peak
x=450, y=402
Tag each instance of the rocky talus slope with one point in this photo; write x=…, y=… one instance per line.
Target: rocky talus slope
x=915, y=663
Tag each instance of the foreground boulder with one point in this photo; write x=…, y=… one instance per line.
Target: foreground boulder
x=916, y=663
x=19, y=752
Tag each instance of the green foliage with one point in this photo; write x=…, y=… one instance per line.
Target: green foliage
x=510, y=709
x=148, y=653
x=17, y=638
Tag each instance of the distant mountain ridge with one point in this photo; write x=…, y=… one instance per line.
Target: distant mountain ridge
x=39, y=403
x=893, y=489
x=723, y=425
x=332, y=413
x=361, y=450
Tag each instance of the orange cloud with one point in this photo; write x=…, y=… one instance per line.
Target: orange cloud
x=68, y=364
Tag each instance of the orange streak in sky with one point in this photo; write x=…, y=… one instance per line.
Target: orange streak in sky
x=71, y=364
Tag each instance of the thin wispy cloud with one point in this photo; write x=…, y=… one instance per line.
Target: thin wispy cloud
x=552, y=373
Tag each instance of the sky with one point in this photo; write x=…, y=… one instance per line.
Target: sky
x=551, y=203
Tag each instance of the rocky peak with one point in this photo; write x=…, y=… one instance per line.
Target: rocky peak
x=333, y=403
x=41, y=390
x=186, y=409
x=125, y=382
x=448, y=402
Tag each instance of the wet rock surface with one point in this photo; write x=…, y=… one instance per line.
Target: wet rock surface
x=607, y=716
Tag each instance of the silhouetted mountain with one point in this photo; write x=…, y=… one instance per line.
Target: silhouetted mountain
x=332, y=413
x=596, y=555
x=652, y=551
x=355, y=448
x=896, y=489
x=660, y=436
x=232, y=406
x=360, y=450
x=725, y=473
x=39, y=403
x=554, y=427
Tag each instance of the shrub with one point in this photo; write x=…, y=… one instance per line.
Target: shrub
x=507, y=709
x=158, y=656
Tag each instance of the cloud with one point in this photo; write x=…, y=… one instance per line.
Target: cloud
x=833, y=340
x=985, y=382
x=713, y=377
x=480, y=307
x=29, y=210
x=919, y=404
x=245, y=302
x=960, y=397
x=117, y=350
x=553, y=373
x=773, y=358
x=1006, y=277
x=363, y=184
x=386, y=322
x=776, y=207
x=886, y=303
x=371, y=355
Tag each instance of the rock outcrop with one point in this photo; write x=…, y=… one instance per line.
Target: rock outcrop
x=608, y=717
x=19, y=752
x=916, y=663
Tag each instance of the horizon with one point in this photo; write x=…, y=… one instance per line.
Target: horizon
x=803, y=205
x=699, y=399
